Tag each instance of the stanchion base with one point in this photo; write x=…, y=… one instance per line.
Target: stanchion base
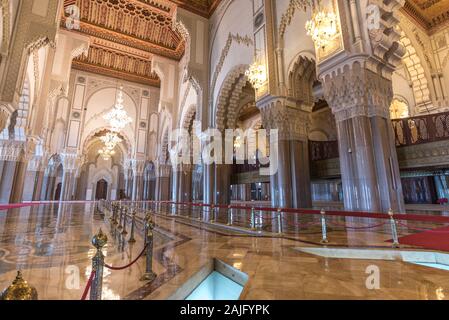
x=396, y=246
x=124, y=233
x=324, y=241
x=148, y=277
x=132, y=240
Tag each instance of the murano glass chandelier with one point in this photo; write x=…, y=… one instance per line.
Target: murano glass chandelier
x=324, y=25
x=117, y=117
x=106, y=153
x=256, y=74
x=110, y=140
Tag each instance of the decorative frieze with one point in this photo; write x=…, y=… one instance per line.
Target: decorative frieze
x=357, y=91
x=284, y=115
x=12, y=150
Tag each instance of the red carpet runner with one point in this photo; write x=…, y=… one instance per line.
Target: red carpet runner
x=437, y=239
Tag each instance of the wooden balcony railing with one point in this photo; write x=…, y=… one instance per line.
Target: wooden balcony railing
x=323, y=150
x=247, y=167
x=421, y=129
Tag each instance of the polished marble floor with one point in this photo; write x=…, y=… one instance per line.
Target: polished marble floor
x=50, y=243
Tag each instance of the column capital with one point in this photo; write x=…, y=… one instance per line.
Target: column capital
x=12, y=150
x=71, y=161
x=163, y=170
x=286, y=115
x=138, y=166
x=356, y=90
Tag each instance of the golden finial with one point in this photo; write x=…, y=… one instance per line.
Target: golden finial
x=390, y=213
x=19, y=290
x=100, y=240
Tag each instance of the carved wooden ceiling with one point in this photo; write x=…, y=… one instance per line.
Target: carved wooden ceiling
x=125, y=34
x=204, y=8
x=429, y=13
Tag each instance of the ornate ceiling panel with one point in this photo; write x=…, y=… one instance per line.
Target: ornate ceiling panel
x=429, y=13
x=124, y=36
x=204, y=8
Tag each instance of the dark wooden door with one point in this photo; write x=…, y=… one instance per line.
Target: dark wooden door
x=102, y=190
x=419, y=190
x=58, y=192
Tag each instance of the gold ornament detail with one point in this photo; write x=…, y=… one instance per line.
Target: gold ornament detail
x=19, y=290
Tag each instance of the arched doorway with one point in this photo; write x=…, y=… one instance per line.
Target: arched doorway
x=58, y=192
x=102, y=190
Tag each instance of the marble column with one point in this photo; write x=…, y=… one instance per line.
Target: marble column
x=441, y=187
x=185, y=183
x=126, y=182
x=71, y=163
x=68, y=183
x=223, y=184
x=209, y=183
x=32, y=181
x=290, y=186
x=7, y=180
x=174, y=192
x=82, y=185
x=38, y=185
x=163, y=183
x=48, y=192
x=360, y=100
x=265, y=192
x=138, y=167
x=13, y=171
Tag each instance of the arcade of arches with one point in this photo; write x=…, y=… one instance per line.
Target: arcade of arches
x=57, y=85
x=362, y=123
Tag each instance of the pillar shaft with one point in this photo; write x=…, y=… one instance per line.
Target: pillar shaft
x=360, y=100
x=290, y=185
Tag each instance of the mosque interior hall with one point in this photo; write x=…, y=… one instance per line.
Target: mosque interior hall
x=224, y=150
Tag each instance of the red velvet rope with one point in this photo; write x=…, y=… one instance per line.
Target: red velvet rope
x=356, y=214
x=358, y=228
x=88, y=285
x=128, y=265
x=421, y=230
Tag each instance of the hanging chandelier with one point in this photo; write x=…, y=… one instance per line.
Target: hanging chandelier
x=110, y=140
x=117, y=117
x=106, y=153
x=323, y=27
x=257, y=72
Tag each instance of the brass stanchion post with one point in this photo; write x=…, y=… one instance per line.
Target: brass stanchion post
x=125, y=220
x=149, y=227
x=324, y=239
x=253, y=218
x=212, y=214
x=133, y=225
x=394, y=230
x=120, y=217
x=280, y=221
x=99, y=241
x=230, y=217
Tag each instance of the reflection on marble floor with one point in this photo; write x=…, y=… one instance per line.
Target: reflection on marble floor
x=44, y=241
